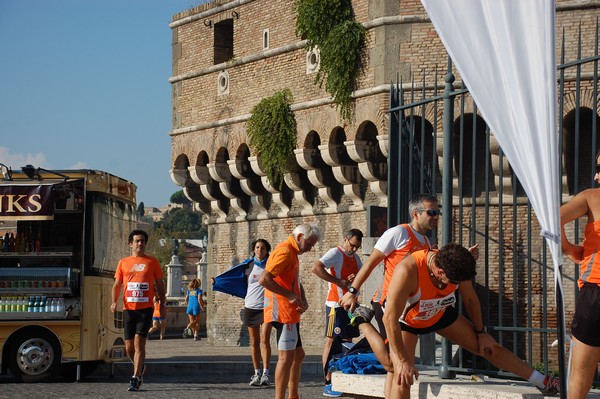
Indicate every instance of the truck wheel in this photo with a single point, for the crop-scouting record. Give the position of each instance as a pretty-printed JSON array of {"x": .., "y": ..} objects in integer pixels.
[{"x": 34, "y": 356}]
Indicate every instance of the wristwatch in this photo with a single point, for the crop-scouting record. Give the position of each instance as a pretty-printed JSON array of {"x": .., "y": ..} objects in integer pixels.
[{"x": 352, "y": 290}]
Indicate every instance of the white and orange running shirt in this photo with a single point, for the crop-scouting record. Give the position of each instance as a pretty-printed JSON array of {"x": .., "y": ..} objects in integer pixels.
[
  {"x": 340, "y": 265},
  {"x": 396, "y": 244},
  {"x": 426, "y": 306},
  {"x": 138, "y": 274}
]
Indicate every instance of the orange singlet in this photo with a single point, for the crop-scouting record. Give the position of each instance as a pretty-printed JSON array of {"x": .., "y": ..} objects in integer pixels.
[
  {"x": 395, "y": 257},
  {"x": 589, "y": 270},
  {"x": 426, "y": 306}
]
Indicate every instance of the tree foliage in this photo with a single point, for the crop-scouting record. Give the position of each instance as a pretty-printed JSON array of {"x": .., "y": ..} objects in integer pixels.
[
  {"x": 179, "y": 197},
  {"x": 141, "y": 211}
]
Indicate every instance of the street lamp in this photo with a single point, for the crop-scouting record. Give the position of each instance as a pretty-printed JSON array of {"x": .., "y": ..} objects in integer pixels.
[{"x": 34, "y": 173}]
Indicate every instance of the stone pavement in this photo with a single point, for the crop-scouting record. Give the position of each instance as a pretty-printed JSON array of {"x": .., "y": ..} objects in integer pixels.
[{"x": 183, "y": 368}]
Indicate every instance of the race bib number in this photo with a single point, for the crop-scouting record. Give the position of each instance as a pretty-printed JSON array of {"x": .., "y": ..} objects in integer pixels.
[
  {"x": 428, "y": 308},
  {"x": 138, "y": 292}
]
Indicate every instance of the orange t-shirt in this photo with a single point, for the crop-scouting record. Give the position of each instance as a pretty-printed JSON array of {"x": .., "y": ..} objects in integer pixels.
[
  {"x": 156, "y": 309},
  {"x": 284, "y": 266},
  {"x": 138, "y": 274},
  {"x": 589, "y": 270},
  {"x": 426, "y": 306},
  {"x": 395, "y": 257}
]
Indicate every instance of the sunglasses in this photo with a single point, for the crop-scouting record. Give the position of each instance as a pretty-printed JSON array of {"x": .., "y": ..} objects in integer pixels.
[{"x": 431, "y": 212}]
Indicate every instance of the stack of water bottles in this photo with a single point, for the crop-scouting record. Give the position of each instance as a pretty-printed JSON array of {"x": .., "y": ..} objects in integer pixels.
[{"x": 32, "y": 304}]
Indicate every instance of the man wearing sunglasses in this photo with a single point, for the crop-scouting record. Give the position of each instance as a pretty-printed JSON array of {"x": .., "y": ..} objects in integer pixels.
[
  {"x": 394, "y": 245},
  {"x": 338, "y": 267},
  {"x": 585, "y": 340}
]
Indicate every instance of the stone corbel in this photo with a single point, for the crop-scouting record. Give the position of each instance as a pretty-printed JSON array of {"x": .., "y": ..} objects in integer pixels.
[
  {"x": 345, "y": 174},
  {"x": 218, "y": 204},
  {"x": 294, "y": 182},
  {"x": 220, "y": 172},
  {"x": 383, "y": 144},
  {"x": 309, "y": 160},
  {"x": 507, "y": 176},
  {"x": 277, "y": 196},
  {"x": 375, "y": 173},
  {"x": 238, "y": 167}
]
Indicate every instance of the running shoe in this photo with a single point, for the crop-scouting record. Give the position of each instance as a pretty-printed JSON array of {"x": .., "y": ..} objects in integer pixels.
[
  {"x": 361, "y": 314},
  {"x": 330, "y": 393},
  {"x": 255, "y": 380},
  {"x": 141, "y": 379},
  {"x": 134, "y": 384},
  {"x": 552, "y": 386},
  {"x": 264, "y": 380}
]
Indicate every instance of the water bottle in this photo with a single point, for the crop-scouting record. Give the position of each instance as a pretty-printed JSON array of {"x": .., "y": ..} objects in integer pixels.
[
  {"x": 2, "y": 304},
  {"x": 30, "y": 305},
  {"x": 61, "y": 305},
  {"x": 36, "y": 304},
  {"x": 13, "y": 304},
  {"x": 53, "y": 305},
  {"x": 47, "y": 305}
]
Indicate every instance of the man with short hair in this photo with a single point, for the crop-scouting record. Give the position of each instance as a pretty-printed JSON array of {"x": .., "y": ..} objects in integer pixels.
[
  {"x": 285, "y": 301},
  {"x": 393, "y": 246},
  {"x": 139, "y": 273},
  {"x": 338, "y": 267}
]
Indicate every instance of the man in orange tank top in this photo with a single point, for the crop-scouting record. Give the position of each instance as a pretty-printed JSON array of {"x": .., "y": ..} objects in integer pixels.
[
  {"x": 421, "y": 300},
  {"x": 338, "y": 267},
  {"x": 285, "y": 301},
  {"x": 138, "y": 274},
  {"x": 585, "y": 327}
]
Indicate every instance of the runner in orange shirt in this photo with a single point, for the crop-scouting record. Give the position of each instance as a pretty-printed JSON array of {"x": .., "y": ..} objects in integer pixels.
[
  {"x": 138, "y": 274},
  {"x": 421, "y": 300},
  {"x": 585, "y": 340},
  {"x": 338, "y": 267},
  {"x": 285, "y": 302}
]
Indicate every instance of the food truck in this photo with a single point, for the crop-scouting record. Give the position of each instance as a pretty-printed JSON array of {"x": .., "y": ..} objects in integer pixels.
[{"x": 62, "y": 234}]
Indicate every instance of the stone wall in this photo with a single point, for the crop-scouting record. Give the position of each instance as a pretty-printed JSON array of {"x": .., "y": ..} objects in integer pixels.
[{"x": 339, "y": 167}]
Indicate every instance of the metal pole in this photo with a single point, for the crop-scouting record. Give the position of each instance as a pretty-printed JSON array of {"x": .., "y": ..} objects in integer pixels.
[{"x": 448, "y": 121}]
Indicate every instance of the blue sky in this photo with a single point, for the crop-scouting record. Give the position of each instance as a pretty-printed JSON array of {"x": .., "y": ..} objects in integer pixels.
[{"x": 84, "y": 84}]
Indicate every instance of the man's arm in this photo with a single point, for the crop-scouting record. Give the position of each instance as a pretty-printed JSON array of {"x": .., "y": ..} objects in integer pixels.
[
  {"x": 267, "y": 280},
  {"x": 319, "y": 270},
  {"x": 116, "y": 291},
  {"x": 349, "y": 300},
  {"x": 570, "y": 211}
]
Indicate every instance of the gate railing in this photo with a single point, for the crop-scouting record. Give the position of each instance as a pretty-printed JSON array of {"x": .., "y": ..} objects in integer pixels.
[{"x": 489, "y": 207}]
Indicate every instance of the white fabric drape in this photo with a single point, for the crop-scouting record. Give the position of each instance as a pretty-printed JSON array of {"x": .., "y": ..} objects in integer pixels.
[{"x": 505, "y": 53}]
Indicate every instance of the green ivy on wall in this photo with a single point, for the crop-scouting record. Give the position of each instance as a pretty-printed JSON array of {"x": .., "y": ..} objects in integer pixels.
[
  {"x": 330, "y": 26},
  {"x": 272, "y": 133}
]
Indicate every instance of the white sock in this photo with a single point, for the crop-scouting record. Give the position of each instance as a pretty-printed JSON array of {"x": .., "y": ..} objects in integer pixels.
[
  {"x": 537, "y": 379},
  {"x": 266, "y": 372},
  {"x": 256, "y": 371}
]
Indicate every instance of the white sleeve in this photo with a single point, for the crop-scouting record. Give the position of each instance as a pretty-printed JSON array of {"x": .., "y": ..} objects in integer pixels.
[
  {"x": 333, "y": 258},
  {"x": 392, "y": 239}
]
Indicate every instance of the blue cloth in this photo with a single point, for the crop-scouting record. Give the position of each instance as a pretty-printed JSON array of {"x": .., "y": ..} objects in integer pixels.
[
  {"x": 193, "y": 307},
  {"x": 234, "y": 281},
  {"x": 361, "y": 363}
]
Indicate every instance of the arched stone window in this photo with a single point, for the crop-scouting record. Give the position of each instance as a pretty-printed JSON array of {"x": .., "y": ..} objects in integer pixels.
[{"x": 579, "y": 153}]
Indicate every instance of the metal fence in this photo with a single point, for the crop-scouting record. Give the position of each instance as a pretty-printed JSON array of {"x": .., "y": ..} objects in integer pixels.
[{"x": 488, "y": 205}]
